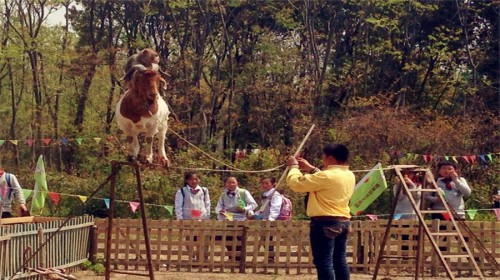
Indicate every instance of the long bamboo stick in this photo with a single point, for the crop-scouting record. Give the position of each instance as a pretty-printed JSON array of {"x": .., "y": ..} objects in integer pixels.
[{"x": 264, "y": 205}]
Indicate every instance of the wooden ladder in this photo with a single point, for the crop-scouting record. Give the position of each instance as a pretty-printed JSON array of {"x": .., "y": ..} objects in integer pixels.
[{"x": 423, "y": 227}]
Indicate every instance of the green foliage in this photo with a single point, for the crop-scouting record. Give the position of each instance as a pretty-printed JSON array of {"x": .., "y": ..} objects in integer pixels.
[{"x": 98, "y": 267}]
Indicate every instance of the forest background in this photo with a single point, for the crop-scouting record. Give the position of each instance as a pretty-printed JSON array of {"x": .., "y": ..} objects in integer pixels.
[{"x": 394, "y": 80}]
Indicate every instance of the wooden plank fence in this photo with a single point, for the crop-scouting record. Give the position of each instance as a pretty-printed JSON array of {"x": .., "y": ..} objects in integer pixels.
[
  {"x": 67, "y": 249},
  {"x": 222, "y": 246}
]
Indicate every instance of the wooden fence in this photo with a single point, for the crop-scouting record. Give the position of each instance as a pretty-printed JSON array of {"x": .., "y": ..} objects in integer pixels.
[
  {"x": 216, "y": 246},
  {"x": 68, "y": 248}
]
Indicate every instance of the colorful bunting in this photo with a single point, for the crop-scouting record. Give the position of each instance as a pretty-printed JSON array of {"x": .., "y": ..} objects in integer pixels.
[
  {"x": 27, "y": 193},
  {"x": 472, "y": 213},
  {"x": 397, "y": 216},
  {"x": 229, "y": 216},
  {"x": 446, "y": 216},
  {"x": 466, "y": 158},
  {"x": 497, "y": 212},
  {"x": 134, "y": 205},
  {"x": 79, "y": 140},
  {"x": 110, "y": 138},
  {"x": 169, "y": 208},
  {"x": 490, "y": 157},
  {"x": 64, "y": 141},
  {"x": 29, "y": 142},
  {"x": 106, "y": 201},
  {"x": 454, "y": 158},
  {"x": 40, "y": 189},
  {"x": 14, "y": 142},
  {"x": 82, "y": 198},
  {"x": 46, "y": 141},
  {"x": 55, "y": 197},
  {"x": 372, "y": 217},
  {"x": 195, "y": 213},
  {"x": 483, "y": 158},
  {"x": 97, "y": 140}
]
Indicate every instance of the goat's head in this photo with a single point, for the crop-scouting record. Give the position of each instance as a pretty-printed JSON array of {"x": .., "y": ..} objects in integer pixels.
[{"x": 145, "y": 82}]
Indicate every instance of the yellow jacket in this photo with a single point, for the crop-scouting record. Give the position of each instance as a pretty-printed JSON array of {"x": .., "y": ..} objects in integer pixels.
[{"x": 329, "y": 190}]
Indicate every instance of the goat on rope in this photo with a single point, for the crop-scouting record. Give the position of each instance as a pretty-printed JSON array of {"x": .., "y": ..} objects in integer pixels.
[{"x": 141, "y": 109}]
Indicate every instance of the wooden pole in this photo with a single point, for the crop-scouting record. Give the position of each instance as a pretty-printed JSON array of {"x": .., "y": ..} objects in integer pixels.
[{"x": 283, "y": 176}]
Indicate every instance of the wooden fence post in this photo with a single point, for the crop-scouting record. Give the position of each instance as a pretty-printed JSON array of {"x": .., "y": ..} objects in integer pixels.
[
  {"x": 243, "y": 253},
  {"x": 41, "y": 240},
  {"x": 92, "y": 250}
]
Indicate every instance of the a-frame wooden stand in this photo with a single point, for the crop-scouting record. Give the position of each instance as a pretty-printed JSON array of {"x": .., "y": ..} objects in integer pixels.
[
  {"x": 116, "y": 166},
  {"x": 423, "y": 228}
]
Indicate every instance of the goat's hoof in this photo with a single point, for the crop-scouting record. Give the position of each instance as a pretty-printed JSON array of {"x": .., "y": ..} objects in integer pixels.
[
  {"x": 163, "y": 161},
  {"x": 131, "y": 158}
]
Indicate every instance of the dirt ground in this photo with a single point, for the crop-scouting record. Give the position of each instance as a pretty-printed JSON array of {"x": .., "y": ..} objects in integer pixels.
[{"x": 84, "y": 275}]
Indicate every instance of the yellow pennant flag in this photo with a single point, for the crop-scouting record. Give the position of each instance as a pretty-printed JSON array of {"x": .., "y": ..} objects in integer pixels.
[
  {"x": 82, "y": 198},
  {"x": 14, "y": 142},
  {"x": 97, "y": 140},
  {"x": 229, "y": 216}
]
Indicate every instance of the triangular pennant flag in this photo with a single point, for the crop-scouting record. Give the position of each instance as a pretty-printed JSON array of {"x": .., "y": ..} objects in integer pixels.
[
  {"x": 134, "y": 205},
  {"x": 472, "y": 159},
  {"x": 483, "y": 158},
  {"x": 79, "y": 140},
  {"x": 409, "y": 156},
  {"x": 1, "y": 142},
  {"x": 14, "y": 142},
  {"x": 64, "y": 141},
  {"x": 490, "y": 157},
  {"x": 82, "y": 198},
  {"x": 497, "y": 212},
  {"x": 431, "y": 157},
  {"x": 46, "y": 141},
  {"x": 415, "y": 156},
  {"x": 426, "y": 158},
  {"x": 29, "y": 142},
  {"x": 40, "y": 191},
  {"x": 454, "y": 158},
  {"x": 27, "y": 193},
  {"x": 446, "y": 157},
  {"x": 195, "y": 213},
  {"x": 169, "y": 208},
  {"x": 446, "y": 216},
  {"x": 372, "y": 217},
  {"x": 110, "y": 138},
  {"x": 472, "y": 213},
  {"x": 55, "y": 197},
  {"x": 397, "y": 216},
  {"x": 106, "y": 201},
  {"x": 466, "y": 158},
  {"x": 97, "y": 140},
  {"x": 229, "y": 216}
]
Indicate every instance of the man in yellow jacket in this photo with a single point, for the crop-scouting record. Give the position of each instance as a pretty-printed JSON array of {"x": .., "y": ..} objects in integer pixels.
[{"x": 329, "y": 193}]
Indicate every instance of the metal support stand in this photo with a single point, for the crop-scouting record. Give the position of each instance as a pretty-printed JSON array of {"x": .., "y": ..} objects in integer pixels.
[{"x": 116, "y": 166}]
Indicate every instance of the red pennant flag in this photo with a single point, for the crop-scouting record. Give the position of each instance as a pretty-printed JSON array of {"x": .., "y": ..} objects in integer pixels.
[
  {"x": 134, "y": 205},
  {"x": 29, "y": 142},
  {"x": 466, "y": 158},
  {"x": 110, "y": 138},
  {"x": 426, "y": 158},
  {"x": 46, "y": 141},
  {"x": 431, "y": 157},
  {"x": 195, "y": 213},
  {"x": 446, "y": 216},
  {"x": 55, "y": 197},
  {"x": 472, "y": 159}
]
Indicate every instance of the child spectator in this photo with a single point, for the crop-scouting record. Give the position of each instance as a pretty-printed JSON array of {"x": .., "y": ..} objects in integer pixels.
[
  {"x": 192, "y": 201},
  {"x": 274, "y": 200},
  {"x": 235, "y": 202},
  {"x": 404, "y": 210},
  {"x": 454, "y": 188}
]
